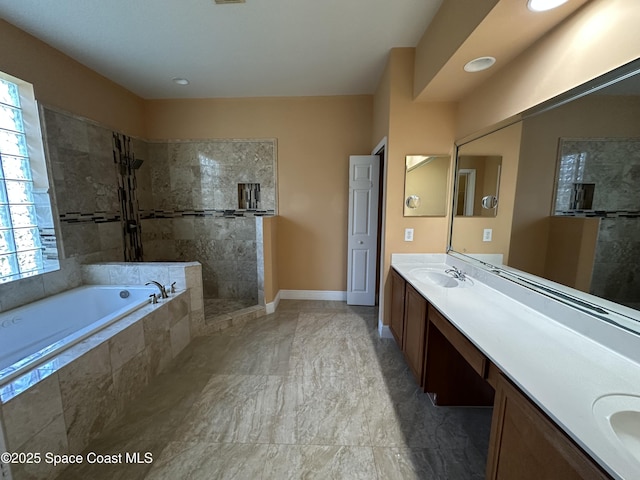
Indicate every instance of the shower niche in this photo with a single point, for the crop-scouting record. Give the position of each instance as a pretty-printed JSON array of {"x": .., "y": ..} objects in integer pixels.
[{"x": 248, "y": 196}]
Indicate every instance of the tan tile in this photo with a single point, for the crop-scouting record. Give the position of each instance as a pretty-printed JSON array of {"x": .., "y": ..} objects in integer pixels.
[
  {"x": 205, "y": 461},
  {"x": 28, "y": 413},
  {"x": 126, "y": 345},
  {"x": 319, "y": 462}
]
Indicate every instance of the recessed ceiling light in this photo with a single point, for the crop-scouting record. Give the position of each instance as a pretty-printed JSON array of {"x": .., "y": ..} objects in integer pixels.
[
  {"x": 180, "y": 81},
  {"x": 479, "y": 64},
  {"x": 542, "y": 5}
]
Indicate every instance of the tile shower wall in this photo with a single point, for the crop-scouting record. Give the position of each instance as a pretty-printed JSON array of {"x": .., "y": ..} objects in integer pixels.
[
  {"x": 193, "y": 189},
  {"x": 613, "y": 165},
  {"x": 616, "y": 270},
  {"x": 85, "y": 186},
  {"x": 187, "y": 193}
]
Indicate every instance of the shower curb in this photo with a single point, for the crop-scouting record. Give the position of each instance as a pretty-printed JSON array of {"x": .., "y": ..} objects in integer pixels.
[{"x": 238, "y": 318}]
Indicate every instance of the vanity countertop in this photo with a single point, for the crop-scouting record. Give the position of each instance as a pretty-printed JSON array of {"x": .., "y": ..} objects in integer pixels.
[{"x": 560, "y": 369}]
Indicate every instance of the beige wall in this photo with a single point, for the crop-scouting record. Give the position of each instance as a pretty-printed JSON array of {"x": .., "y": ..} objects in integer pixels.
[
  {"x": 62, "y": 82},
  {"x": 315, "y": 137},
  {"x": 414, "y": 128},
  {"x": 468, "y": 231},
  {"x": 570, "y": 261},
  {"x": 601, "y": 36}
]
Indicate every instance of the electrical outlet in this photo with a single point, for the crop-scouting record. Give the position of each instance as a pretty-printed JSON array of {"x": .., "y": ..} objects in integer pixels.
[
  {"x": 486, "y": 235},
  {"x": 408, "y": 234}
]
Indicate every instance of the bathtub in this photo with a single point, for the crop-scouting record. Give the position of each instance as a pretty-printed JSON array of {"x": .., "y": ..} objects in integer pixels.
[{"x": 32, "y": 334}]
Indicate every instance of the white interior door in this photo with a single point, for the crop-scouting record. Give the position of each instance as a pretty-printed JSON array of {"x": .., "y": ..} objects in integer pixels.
[{"x": 364, "y": 175}]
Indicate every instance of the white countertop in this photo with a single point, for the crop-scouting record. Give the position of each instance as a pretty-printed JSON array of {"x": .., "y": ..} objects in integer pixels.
[{"x": 560, "y": 369}]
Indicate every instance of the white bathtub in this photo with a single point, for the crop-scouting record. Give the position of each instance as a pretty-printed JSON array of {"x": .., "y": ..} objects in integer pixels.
[{"x": 31, "y": 334}]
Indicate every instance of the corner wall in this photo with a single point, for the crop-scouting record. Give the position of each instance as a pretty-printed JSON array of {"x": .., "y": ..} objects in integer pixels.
[{"x": 413, "y": 128}]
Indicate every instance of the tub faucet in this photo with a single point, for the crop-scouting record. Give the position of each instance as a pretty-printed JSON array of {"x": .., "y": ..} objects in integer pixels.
[
  {"x": 456, "y": 273},
  {"x": 163, "y": 291}
]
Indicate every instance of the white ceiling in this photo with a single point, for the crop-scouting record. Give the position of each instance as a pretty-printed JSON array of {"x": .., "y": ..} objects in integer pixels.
[{"x": 260, "y": 48}]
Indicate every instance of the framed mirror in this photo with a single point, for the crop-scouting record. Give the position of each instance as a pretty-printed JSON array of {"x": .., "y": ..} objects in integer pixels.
[
  {"x": 426, "y": 181},
  {"x": 569, "y": 213}
]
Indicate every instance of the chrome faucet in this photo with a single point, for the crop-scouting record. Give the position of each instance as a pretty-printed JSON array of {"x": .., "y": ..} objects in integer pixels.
[
  {"x": 456, "y": 273},
  {"x": 163, "y": 291}
]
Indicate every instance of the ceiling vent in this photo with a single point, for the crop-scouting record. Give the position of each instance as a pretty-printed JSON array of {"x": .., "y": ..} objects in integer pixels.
[{"x": 222, "y": 2}]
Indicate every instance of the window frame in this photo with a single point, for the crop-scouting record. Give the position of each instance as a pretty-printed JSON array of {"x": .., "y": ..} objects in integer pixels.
[{"x": 46, "y": 217}]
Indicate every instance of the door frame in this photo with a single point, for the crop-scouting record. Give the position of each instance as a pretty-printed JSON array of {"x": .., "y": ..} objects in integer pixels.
[{"x": 381, "y": 150}]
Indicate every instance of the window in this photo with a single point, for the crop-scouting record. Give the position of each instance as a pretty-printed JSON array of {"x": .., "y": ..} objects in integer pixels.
[{"x": 24, "y": 186}]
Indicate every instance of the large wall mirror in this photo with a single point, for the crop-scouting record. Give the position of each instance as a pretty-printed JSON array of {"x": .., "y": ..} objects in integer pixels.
[
  {"x": 569, "y": 199},
  {"x": 426, "y": 180}
]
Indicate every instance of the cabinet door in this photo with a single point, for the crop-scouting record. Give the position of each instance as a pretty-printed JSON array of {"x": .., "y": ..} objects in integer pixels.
[
  {"x": 415, "y": 328},
  {"x": 526, "y": 445},
  {"x": 397, "y": 307}
]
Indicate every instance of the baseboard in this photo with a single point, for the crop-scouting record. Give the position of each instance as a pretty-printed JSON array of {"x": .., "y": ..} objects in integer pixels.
[
  {"x": 384, "y": 331},
  {"x": 271, "y": 307},
  {"x": 330, "y": 295}
]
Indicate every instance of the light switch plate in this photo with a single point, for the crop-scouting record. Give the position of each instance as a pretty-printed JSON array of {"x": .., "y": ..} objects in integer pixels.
[
  {"x": 408, "y": 234},
  {"x": 486, "y": 235}
]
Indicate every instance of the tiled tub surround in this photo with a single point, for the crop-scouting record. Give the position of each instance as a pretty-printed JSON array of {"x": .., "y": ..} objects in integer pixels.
[
  {"x": 560, "y": 357},
  {"x": 33, "y": 333},
  {"x": 64, "y": 403},
  {"x": 186, "y": 275}
]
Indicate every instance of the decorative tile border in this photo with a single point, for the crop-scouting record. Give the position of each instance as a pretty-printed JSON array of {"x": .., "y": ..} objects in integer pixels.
[
  {"x": 104, "y": 217},
  {"x": 600, "y": 213},
  {"x": 146, "y": 214},
  {"x": 95, "y": 217}
]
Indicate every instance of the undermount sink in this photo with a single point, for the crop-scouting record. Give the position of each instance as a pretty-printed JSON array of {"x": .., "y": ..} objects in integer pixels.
[
  {"x": 435, "y": 277},
  {"x": 618, "y": 416}
]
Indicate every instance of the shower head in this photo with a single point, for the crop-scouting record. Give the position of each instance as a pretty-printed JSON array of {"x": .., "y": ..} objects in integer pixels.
[{"x": 136, "y": 163}]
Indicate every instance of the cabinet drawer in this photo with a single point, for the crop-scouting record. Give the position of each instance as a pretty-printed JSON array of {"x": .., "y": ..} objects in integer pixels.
[{"x": 469, "y": 352}]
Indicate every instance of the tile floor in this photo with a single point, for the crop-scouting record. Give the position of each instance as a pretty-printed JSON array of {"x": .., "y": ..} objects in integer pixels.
[{"x": 308, "y": 392}]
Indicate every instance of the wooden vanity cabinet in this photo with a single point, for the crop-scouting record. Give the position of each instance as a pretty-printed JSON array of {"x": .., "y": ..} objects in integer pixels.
[
  {"x": 398, "y": 285},
  {"x": 526, "y": 445},
  {"x": 415, "y": 330}
]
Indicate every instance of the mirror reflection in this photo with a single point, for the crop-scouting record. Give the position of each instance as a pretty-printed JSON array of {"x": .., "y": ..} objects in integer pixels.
[
  {"x": 425, "y": 185},
  {"x": 569, "y": 195},
  {"x": 477, "y": 185}
]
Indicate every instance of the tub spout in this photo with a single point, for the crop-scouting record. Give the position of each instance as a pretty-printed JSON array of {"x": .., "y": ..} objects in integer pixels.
[{"x": 163, "y": 291}]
